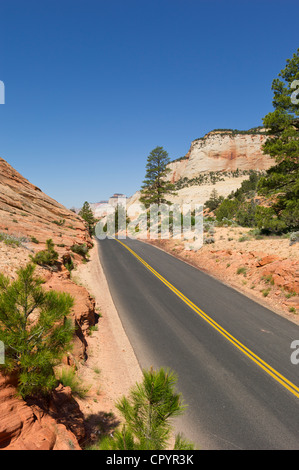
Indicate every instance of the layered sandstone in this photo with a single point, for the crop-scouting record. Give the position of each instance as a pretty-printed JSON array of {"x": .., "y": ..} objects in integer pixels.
[
  {"x": 222, "y": 151},
  {"x": 24, "y": 427},
  {"x": 229, "y": 154},
  {"x": 26, "y": 211}
]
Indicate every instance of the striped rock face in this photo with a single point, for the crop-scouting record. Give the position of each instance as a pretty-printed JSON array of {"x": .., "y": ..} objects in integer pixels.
[{"x": 221, "y": 151}]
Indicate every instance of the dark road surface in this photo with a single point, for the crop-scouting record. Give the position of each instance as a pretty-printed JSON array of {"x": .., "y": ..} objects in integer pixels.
[{"x": 232, "y": 355}]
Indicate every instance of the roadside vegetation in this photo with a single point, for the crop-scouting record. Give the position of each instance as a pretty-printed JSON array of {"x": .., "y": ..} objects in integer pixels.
[
  {"x": 147, "y": 415},
  {"x": 88, "y": 217}
]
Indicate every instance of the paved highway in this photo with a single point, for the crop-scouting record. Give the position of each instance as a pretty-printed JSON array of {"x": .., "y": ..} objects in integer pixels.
[{"x": 232, "y": 355}]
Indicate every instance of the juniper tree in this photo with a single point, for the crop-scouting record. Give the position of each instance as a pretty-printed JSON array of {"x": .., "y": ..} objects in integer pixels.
[
  {"x": 155, "y": 187},
  {"x": 34, "y": 329}
]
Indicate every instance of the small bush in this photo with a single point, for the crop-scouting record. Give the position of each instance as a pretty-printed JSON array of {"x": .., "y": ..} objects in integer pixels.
[
  {"x": 80, "y": 249},
  {"x": 46, "y": 257},
  {"x": 244, "y": 238},
  {"x": 265, "y": 292},
  {"x": 12, "y": 240},
  {"x": 242, "y": 270},
  {"x": 68, "y": 378},
  {"x": 209, "y": 240},
  {"x": 59, "y": 222}
]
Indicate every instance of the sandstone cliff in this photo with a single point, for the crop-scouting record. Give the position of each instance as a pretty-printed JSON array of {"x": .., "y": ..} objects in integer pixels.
[
  {"x": 230, "y": 153},
  {"x": 26, "y": 211},
  {"x": 222, "y": 151}
]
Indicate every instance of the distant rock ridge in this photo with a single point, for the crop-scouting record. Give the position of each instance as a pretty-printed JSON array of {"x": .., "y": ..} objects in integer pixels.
[{"x": 222, "y": 150}]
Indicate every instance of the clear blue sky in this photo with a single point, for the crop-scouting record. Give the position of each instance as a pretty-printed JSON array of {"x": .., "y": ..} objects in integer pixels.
[{"x": 92, "y": 86}]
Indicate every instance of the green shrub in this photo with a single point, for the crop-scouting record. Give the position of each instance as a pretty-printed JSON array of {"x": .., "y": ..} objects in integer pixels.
[
  {"x": 267, "y": 220},
  {"x": 227, "y": 209},
  {"x": 12, "y": 240},
  {"x": 59, "y": 222},
  {"x": 68, "y": 378},
  {"x": 68, "y": 262},
  {"x": 242, "y": 270},
  {"x": 46, "y": 257},
  {"x": 209, "y": 240},
  {"x": 266, "y": 292},
  {"x": 80, "y": 249},
  {"x": 245, "y": 215}
]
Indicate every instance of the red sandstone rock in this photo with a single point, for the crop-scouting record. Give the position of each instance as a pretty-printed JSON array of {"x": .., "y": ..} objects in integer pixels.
[
  {"x": 29, "y": 428},
  {"x": 267, "y": 260}
]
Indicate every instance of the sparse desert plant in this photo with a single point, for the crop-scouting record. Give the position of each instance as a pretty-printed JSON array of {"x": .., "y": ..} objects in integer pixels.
[
  {"x": 242, "y": 270},
  {"x": 244, "y": 238},
  {"x": 80, "y": 249},
  {"x": 265, "y": 292},
  {"x": 12, "y": 240},
  {"x": 268, "y": 279},
  {"x": 68, "y": 378},
  {"x": 209, "y": 240},
  {"x": 59, "y": 222}
]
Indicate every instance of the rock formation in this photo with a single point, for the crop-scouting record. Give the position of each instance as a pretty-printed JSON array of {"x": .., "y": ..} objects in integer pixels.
[
  {"x": 26, "y": 211},
  {"x": 24, "y": 427},
  {"x": 222, "y": 151}
]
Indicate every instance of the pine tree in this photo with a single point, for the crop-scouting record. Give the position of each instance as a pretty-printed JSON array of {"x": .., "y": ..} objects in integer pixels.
[
  {"x": 155, "y": 187},
  {"x": 47, "y": 257},
  {"x": 87, "y": 215},
  {"x": 214, "y": 201},
  {"x": 34, "y": 329},
  {"x": 147, "y": 414},
  {"x": 282, "y": 180}
]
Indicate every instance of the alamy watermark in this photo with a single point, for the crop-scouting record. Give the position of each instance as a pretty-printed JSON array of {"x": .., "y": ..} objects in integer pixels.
[
  {"x": 2, "y": 92},
  {"x": 295, "y": 94},
  {"x": 295, "y": 354},
  {"x": 2, "y": 353},
  {"x": 164, "y": 221}
]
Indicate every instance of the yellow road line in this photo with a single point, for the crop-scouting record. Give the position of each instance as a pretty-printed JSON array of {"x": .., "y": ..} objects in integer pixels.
[{"x": 266, "y": 367}]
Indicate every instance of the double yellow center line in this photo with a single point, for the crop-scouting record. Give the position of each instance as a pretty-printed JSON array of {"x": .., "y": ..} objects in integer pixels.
[{"x": 266, "y": 367}]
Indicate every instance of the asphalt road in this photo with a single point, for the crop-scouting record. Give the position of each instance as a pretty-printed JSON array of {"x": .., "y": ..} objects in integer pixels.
[{"x": 231, "y": 354}]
